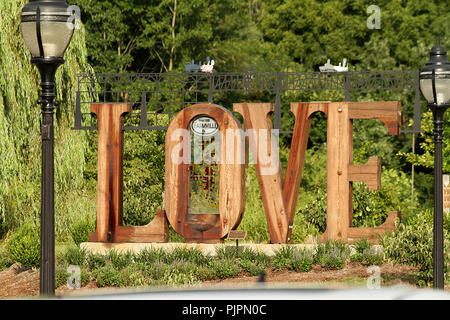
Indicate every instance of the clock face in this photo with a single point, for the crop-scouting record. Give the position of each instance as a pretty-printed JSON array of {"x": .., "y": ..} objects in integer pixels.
[{"x": 204, "y": 126}]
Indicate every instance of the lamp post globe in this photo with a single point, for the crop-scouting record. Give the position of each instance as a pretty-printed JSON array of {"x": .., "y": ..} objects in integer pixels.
[
  {"x": 47, "y": 32},
  {"x": 435, "y": 87}
]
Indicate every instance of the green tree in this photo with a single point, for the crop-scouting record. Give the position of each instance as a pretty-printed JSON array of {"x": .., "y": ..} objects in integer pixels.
[{"x": 20, "y": 118}]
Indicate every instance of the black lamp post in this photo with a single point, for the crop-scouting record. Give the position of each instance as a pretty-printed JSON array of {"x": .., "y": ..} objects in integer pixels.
[
  {"x": 435, "y": 86},
  {"x": 47, "y": 32}
]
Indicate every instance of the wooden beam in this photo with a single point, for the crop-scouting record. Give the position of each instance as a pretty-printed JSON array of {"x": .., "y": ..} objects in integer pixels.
[
  {"x": 369, "y": 173},
  {"x": 258, "y": 124},
  {"x": 109, "y": 168}
]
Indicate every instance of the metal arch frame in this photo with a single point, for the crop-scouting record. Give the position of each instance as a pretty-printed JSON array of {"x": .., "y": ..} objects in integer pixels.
[{"x": 157, "y": 89}]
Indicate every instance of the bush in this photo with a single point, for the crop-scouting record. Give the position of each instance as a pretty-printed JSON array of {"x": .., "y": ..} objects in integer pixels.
[
  {"x": 224, "y": 268},
  {"x": 5, "y": 259},
  {"x": 205, "y": 273},
  {"x": 252, "y": 267},
  {"x": 303, "y": 260},
  {"x": 187, "y": 254},
  {"x": 95, "y": 261},
  {"x": 74, "y": 256},
  {"x": 254, "y": 256},
  {"x": 119, "y": 260},
  {"x": 24, "y": 246},
  {"x": 331, "y": 254},
  {"x": 148, "y": 256},
  {"x": 107, "y": 276},
  {"x": 412, "y": 244},
  {"x": 366, "y": 254},
  {"x": 283, "y": 258},
  {"x": 226, "y": 252},
  {"x": 81, "y": 229},
  {"x": 316, "y": 211}
]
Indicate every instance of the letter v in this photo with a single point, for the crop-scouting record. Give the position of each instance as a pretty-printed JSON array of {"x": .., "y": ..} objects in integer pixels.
[{"x": 279, "y": 200}]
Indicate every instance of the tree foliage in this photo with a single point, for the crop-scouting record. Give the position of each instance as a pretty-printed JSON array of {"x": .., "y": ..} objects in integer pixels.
[{"x": 20, "y": 119}]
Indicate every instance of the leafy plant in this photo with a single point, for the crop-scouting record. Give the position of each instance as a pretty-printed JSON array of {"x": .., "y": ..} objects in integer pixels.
[
  {"x": 412, "y": 244},
  {"x": 107, "y": 276},
  {"x": 283, "y": 257},
  {"x": 224, "y": 268},
  {"x": 74, "y": 256},
  {"x": 81, "y": 229},
  {"x": 252, "y": 267},
  {"x": 119, "y": 260},
  {"x": 95, "y": 261},
  {"x": 24, "y": 246},
  {"x": 303, "y": 260},
  {"x": 367, "y": 254},
  {"x": 331, "y": 254}
]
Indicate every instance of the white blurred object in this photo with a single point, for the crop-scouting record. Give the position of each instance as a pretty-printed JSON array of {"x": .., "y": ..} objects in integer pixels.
[
  {"x": 208, "y": 67},
  {"x": 328, "y": 67}
]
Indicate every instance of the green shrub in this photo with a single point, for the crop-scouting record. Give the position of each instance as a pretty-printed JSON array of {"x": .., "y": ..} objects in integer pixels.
[
  {"x": 95, "y": 261},
  {"x": 367, "y": 254},
  {"x": 302, "y": 260},
  {"x": 149, "y": 256},
  {"x": 192, "y": 255},
  {"x": 226, "y": 252},
  {"x": 107, "y": 276},
  {"x": 119, "y": 260},
  {"x": 155, "y": 271},
  {"x": 24, "y": 246},
  {"x": 255, "y": 256},
  {"x": 283, "y": 258},
  {"x": 331, "y": 254},
  {"x": 74, "y": 256},
  {"x": 80, "y": 229},
  {"x": 316, "y": 211},
  {"x": 412, "y": 244},
  {"x": 252, "y": 267},
  {"x": 223, "y": 268},
  {"x": 205, "y": 273},
  {"x": 131, "y": 276},
  {"x": 5, "y": 259}
]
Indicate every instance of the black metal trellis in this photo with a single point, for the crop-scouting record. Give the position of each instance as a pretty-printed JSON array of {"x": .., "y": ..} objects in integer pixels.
[{"x": 159, "y": 96}]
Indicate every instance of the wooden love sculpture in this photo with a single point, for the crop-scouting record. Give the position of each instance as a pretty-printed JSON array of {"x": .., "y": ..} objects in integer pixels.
[{"x": 279, "y": 194}]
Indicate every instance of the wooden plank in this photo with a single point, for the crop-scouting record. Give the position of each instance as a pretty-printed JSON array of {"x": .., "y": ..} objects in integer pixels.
[
  {"x": 369, "y": 173},
  {"x": 339, "y": 146},
  {"x": 389, "y": 112},
  {"x": 373, "y": 234},
  {"x": 294, "y": 171},
  {"x": 258, "y": 124},
  {"x": 109, "y": 168},
  {"x": 156, "y": 231}
]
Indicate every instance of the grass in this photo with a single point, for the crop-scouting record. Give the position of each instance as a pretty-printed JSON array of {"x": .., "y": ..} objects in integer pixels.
[{"x": 188, "y": 266}]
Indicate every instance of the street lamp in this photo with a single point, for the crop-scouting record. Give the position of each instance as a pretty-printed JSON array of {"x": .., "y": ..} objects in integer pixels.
[
  {"x": 47, "y": 32},
  {"x": 435, "y": 87}
]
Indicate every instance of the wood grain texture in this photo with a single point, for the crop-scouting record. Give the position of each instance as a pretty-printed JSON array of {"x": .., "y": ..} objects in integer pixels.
[
  {"x": 258, "y": 124},
  {"x": 369, "y": 173},
  {"x": 299, "y": 143},
  {"x": 339, "y": 151},
  {"x": 155, "y": 231},
  {"x": 374, "y": 234},
  {"x": 110, "y": 183},
  {"x": 204, "y": 227},
  {"x": 389, "y": 112},
  {"x": 109, "y": 169},
  {"x": 341, "y": 171}
]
